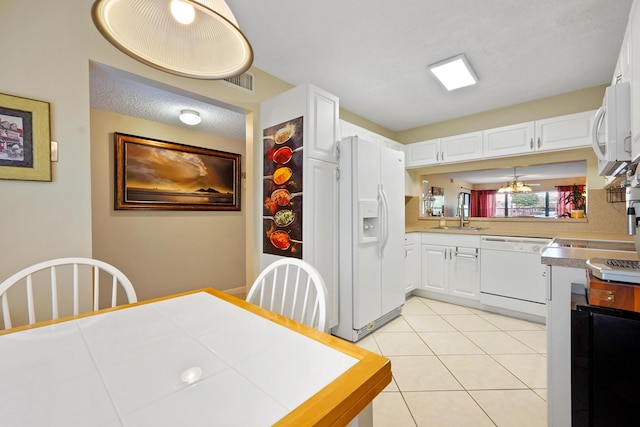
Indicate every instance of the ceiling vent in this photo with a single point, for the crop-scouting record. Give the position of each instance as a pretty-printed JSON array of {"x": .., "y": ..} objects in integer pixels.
[{"x": 244, "y": 80}]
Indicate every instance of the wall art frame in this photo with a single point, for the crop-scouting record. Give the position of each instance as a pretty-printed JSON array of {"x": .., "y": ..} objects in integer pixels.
[
  {"x": 151, "y": 174},
  {"x": 25, "y": 139}
]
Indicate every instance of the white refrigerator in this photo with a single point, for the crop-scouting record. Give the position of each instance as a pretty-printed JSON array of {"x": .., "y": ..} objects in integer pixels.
[{"x": 371, "y": 266}]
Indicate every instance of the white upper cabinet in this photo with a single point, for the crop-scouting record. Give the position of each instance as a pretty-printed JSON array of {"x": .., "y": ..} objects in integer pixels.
[
  {"x": 349, "y": 129},
  {"x": 323, "y": 128},
  {"x": 508, "y": 140},
  {"x": 554, "y": 134},
  {"x": 422, "y": 153},
  {"x": 622, "y": 71},
  {"x": 460, "y": 148},
  {"x": 564, "y": 132}
]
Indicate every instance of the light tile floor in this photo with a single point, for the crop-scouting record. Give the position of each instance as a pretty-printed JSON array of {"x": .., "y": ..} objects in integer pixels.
[{"x": 455, "y": 366}]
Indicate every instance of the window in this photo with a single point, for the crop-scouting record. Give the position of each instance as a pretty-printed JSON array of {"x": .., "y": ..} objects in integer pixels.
[{"x": 541, "y": 204}]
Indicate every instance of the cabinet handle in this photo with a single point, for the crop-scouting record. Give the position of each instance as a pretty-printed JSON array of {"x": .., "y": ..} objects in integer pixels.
[
  {"x": 458, "y": 254},
  {"x": 539, "y": 142},
  {"x": 531, "y": 143},
  {"x": 437, "y": 156}
]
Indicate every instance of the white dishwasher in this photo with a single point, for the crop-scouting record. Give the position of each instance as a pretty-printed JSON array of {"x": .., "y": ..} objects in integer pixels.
[{"x": 512, "y": 275}]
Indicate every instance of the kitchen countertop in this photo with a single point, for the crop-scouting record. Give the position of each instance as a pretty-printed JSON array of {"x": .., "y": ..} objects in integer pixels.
[
  {"x": 575, "y": 257},
  {"x": 515, "y": 232}
]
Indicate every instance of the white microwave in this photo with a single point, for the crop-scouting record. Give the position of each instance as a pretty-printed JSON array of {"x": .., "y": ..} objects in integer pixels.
[{"x": 611, "y": 131}]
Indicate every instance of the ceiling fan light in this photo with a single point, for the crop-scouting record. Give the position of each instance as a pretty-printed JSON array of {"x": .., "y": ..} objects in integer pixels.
[{"x": 190, "y": 117}]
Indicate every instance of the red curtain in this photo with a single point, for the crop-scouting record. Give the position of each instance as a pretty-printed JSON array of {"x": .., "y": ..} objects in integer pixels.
[
  {"x": 483, "y": 203},
  {"x": 563, "y": 191}
]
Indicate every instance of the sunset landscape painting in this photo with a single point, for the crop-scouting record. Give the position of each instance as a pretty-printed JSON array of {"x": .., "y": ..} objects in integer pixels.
[{"x": 152, "y": 174}]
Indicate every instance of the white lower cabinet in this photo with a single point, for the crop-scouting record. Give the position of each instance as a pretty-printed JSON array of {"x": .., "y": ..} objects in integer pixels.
[
  {"x": 451, "y": 264},
  {"x": 412, "y": 270}
]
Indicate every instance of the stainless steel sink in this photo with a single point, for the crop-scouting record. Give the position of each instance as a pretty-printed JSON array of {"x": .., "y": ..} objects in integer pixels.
[{"x": 456, "y": 227}]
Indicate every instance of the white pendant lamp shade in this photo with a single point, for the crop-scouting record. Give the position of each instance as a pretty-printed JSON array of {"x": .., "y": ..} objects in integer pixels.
[{"x": 207, "y": 45}]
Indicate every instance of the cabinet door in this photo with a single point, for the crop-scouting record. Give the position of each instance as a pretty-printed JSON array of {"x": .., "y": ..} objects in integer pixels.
[
  {"x": 464, "y": 273},
  {"x": 564, "y": 132},
  {"x": 423, "y": 153},
  {"x": 508, "y": 140},
  {"x": 320, "y": 227},
  {"x": 460, "y": 148},
  {"x": 410, "y": 263},
  {"x": 435, "y": 268},
  {"x": 323, "y": 125}
]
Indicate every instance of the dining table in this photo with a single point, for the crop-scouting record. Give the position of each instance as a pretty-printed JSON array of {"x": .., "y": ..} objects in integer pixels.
[{"x": 199, "y": 358}]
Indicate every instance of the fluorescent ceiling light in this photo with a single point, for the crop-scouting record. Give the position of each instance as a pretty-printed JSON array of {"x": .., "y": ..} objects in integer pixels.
[
  {"x": 454, "y": 72},
  {"x": 190, "y": 117}
]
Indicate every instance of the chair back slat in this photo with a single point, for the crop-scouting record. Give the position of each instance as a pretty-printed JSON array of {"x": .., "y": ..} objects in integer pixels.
[
  {"x": 30, "y": 305},
  {"x": 293, "y": 289},
  {"x": 285, "y": 288},
  {"x": 114, "y": 292},
  {"x": 54, "y": 293},
  {"x": 6, "y": 316},
  {"x": 81, "y": 277},
  {"x": 96, "y": 287},
  {"x": 296, "y": 290}
]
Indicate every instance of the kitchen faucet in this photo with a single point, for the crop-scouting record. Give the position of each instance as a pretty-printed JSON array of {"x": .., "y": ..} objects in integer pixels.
[{"x": 463, "y": 221}]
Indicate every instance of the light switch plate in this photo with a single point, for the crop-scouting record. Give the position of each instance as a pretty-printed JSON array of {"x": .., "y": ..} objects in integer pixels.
[{"x": 54, "y": 151}]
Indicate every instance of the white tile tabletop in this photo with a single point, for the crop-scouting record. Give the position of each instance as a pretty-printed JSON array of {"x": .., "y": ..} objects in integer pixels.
[{"x": 194, "y": 360}]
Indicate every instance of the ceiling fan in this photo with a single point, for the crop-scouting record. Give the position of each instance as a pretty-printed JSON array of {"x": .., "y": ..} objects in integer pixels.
[{"x": 516, "y": 186}]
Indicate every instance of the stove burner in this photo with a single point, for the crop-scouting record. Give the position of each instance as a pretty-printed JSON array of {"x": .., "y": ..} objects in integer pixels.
[{"x": 624, "y": 263}]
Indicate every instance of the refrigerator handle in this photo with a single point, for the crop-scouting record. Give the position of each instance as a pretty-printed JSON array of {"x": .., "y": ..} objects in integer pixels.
[{"x": 384, "y": 219}]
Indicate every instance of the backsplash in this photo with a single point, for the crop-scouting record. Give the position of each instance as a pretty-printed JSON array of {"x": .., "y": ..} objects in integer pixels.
[{"x": 602, "y": 217}]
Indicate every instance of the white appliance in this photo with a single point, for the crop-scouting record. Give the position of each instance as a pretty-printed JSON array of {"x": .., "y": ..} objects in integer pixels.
[
  {"x": 371, "y": 237},
  {"x": 611, "y": 132},
  {"x": 512, "y": 274}
]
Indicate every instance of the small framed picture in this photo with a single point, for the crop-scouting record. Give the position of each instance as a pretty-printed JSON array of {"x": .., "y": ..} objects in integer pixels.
[
  {"x": 25, "y": 139},
  {"x": 160, "y": 175}
]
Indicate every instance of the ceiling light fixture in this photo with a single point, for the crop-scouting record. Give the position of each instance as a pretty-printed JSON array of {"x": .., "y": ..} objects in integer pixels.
[
  {"x": 454, "y": 73},
  {"x": 189, "y": 38},
  {"x": 515, "y": 186},
  {"x": 190, "y": 117}
]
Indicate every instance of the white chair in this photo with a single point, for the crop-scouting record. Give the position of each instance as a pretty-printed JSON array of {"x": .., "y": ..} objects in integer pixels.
[
  {"x": 61, "y": 273},
  {"x": 294, "y": 289}
]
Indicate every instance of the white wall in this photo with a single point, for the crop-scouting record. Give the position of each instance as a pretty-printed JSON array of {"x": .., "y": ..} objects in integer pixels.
[
  {"x": 163, "y": 252},
  {"x": 46, "y": 49},
  {"x": 42, "y": 59}
]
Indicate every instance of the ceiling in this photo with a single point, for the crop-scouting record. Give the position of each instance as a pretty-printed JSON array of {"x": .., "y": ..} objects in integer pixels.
[
  {"x": 131, "y": 95},
  {"x": 374, "y": 54}
]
